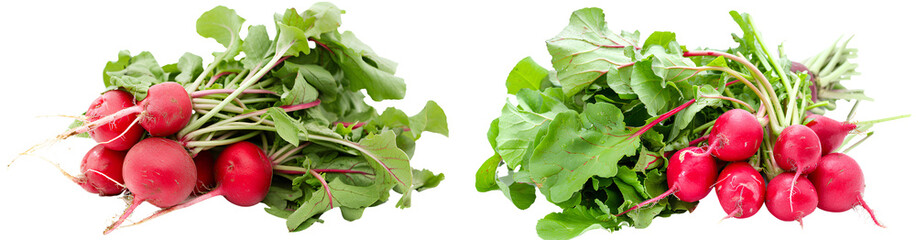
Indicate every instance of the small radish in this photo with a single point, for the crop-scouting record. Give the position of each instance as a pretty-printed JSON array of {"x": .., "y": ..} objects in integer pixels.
[
  {"x": 205, "y": 180},
  {"x": 158, "y": 171},
  {"x": 243, "y": 175},
  {"x": 740, "y": 189},
  {"x": 830, "y": 132},
  {"x": 787, "y": 206},
  {"x": 101, "y": 171},
  {"x": 736, "y": 136},
  {"x": 166, "y": 109},
  {"x": 839, "y": 182},
  {"x": 120, "y": 134},
  {"x": 797, "y": 149},
  {"x": 691, "y": 175}
]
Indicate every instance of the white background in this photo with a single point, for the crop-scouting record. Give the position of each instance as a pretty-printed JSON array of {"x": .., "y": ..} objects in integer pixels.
[{"x": 457, "y": 53}]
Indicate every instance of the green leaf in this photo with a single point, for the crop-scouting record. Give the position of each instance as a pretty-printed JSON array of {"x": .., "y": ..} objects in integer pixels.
[
  {"x": 321, "y": 79},
  {"x": 256, "y": 46},
  {"x": 519, "y": 125},
  {"x": 586, "y": 50},
  {"x": 684, "y": 117},
  {"x": 651, "y": 89},
  {"x": 422, "y": 180},
  {"x": 141, "y": 72},
  {"x": 577, "y": 147},
  {"x": 526, "y": 74},
  {"x": 291, "y": 41},
  {"x": 223, "y": 25},
  {"x": 362, "y": 67},
  {"x": 288, "y": 128},
  {"x": 385, "y": 156},
  {"x": 302, "y": 92},
  {"x": 319, "y": 202},
  {"x": 486, "y": 174},
  {"x": 493, "y": 132},
  {"x": 190, "y": 66},
  {"x": 522, "y": 195},
  {"x": 114, "y": 66},
  {"x": 568, "y": 224},
  {"x": 430, "y": 119},
  {"x": 324, "y": 17}
]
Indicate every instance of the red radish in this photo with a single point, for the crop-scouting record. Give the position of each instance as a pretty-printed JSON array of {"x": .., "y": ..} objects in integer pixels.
[
  {"x": 787, "y": 206},
  {"x": 243, "y": 175},
  {"x": 691, "y": 175},
  {"x": 101, "y": 168},
  {"x": 839, "y": 182},
  {"x": 740, "y": 189},
  {"x": 166, "y": 109},
  {"x": 205, "y": 180},
  {"x": 797, "y": 149},
  {"x": 830, "y": 132},
  {"x": 736, "y": 136},
  {"x": 158, "y": 171},
  {"x": 120, "y": 134}
]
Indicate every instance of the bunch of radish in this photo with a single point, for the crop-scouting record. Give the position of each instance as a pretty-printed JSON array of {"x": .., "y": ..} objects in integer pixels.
[
  {"x": 244, "y": 128},
  {"x": 785, "y": 156}
]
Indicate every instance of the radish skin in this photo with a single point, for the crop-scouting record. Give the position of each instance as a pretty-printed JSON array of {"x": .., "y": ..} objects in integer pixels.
[
  {"x": 840, "y": 183},
  {"x": 120, "y": 134},
  {"x": 158, "y": 171},
  {"x": 786, "y": 206},
  {"x": 101, "y": 171},
  {"x": 691, "y": 175},
  {"x": 736, "y": 136},
  {"x": 831, "y": 133},
  {"x": 740, "y": 190}
]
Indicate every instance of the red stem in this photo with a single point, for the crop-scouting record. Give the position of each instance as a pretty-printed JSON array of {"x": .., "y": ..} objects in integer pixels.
[
  {"x": 217, "y": 76},
  {"x": 321, "y": 44},
  {"x": 215, "y": 192},
  {"x": 661, "y": 118},
  {"x": 870, "y": 212},
  {"x": 130, "y": 209},
  {"x": 327, "y": 189},
  {"x": 698, "y": 140},
  {"x": 653, "y": 200},
  {"x": 202, "y": 93}
]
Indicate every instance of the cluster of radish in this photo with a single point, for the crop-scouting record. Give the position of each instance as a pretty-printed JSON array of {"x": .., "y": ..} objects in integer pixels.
[
  {"x": 815, "y": 177},
  {"x": 157, "y": 169}
]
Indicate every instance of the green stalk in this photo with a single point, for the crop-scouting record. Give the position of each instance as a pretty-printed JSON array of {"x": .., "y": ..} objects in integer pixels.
[
  {"x": 245, "y": 84},
  {"x": 216, "y": 143},
  {"x": 882, "y": 120}
]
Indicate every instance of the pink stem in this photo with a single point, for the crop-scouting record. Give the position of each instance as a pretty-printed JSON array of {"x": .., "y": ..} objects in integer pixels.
[
  {"x": 870, "y": 212},
  {"x": 130, "y": 209},
  {"x": 216, "y": 192},
  {"x": 626, "y": 65},
  {"x": 327, "y": 189},
  {"x": 321, "y": 44},
  {"x": 732, "y": 82},
  {"x": 698, "y": 140},
  {"x": 653, "y": 200},
  {"x": 202, "y": 93},
  {"x": 217, "y": 76},
  {"x": 348, "y": 124},
  {"x": 339, "y": 171},
  {"x": 661, "y": 118}
]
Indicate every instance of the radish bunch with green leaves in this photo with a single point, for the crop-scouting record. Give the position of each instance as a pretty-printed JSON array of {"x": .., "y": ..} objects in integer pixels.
[
  {"x": 277, "y": 118},
  {"x": 620, "y": 133}
]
